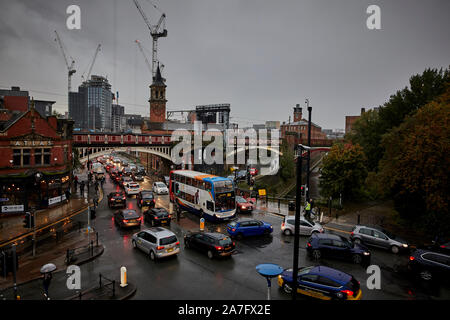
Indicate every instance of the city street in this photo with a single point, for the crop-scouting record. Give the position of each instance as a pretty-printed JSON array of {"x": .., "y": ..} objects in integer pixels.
[{"x": 192, "y": 275}]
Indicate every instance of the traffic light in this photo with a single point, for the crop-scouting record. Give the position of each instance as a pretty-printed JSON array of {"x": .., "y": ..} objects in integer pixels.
[
  {"x": 302, "y": 190},
  {"x": 32, "y": 221},
  {"x": 27, "y": 220}
]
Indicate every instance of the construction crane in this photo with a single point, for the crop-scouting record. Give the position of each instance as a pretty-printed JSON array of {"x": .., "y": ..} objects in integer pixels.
[
  {"x": 70, "y": 68},
  {"x": 92, "y": 64},
  {"x": 154, "y": 32}
]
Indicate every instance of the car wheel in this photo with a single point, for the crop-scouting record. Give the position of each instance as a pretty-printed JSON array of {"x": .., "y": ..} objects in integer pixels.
[
  {"x": 287, "y": 232},
  {"x": 316, "y": 254},
  {"x": 134, "y": 244},
  {"x": 287, "y": 288},
  {"x": 266, "y": 232},
  {"x": 394, "y": 249},
  {"x": 357, "y": 259},
  {"x": 210, "y": 254},
  {"x": 425, "y": 275},
  {"x": 357, "y": 241},
  {"x": 152, "y": 255},
  {"x": 187, "y": 245}
]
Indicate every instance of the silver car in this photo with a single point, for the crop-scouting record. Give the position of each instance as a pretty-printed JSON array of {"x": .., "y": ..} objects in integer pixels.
[
  {"x": 307, "y": 228},
  {"x": 157, "y": 242},
  {"x": 371, "y": 236}
]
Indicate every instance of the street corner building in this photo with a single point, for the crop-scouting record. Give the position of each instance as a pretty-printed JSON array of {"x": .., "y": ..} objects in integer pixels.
[{"x": 35, "y": 160}]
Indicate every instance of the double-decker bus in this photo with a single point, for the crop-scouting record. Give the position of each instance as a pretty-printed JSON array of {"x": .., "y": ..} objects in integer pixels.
[{"x": 207, "y": 195}]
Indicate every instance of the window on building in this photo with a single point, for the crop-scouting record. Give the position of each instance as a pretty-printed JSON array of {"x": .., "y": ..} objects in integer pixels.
[
  {"x": 17, "y": 157},
  {"x": 47, "y": 154},
  {"x": 26, "y": 157},
  {"x": 38, "y": 156}
]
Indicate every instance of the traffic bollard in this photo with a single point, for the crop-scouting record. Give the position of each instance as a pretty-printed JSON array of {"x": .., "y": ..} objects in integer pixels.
[
  {"x": 202, "y": 224},
  {"x": 123, "y": 277}
]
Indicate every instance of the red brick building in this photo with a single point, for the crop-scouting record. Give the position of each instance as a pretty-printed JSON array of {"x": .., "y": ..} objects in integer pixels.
[
  {"x": 297, "y": 132},
  {"x": 35, "y": 160},
  {"x": 350, "y": 120}
]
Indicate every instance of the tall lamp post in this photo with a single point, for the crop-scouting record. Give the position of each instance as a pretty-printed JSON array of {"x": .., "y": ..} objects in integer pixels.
[
  {"x": 298, "y": 195},
  {"x": 309, "y": 152}
]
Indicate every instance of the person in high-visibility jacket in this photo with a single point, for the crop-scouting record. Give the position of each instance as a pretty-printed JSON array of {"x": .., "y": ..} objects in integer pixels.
[{"x": 308, "y": 210}]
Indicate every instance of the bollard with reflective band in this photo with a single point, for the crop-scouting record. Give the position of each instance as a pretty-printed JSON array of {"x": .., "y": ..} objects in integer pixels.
[
  {"x": 123, "y": 277},
  {"x": 202, "y": 224}
]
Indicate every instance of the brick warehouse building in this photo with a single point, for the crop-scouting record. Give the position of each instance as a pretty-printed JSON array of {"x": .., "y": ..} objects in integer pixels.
[
  {"x": 297, "y": 132},
  {"x": 35, "y": 160}
]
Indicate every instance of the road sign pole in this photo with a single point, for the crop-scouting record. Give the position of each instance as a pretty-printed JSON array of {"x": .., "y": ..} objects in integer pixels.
[
  {"x": 14, "y": 270},
  {"x": 297, "y": 223}
]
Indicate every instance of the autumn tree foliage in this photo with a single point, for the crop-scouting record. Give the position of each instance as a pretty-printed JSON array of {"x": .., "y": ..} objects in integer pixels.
[
  {"x": 416, "y": 164},
  {"x": 369, "y": 129},
  {"x": 343, "y": 171}
]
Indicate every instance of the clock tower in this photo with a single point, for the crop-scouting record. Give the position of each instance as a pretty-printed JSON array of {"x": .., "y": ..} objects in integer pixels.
[{"x": 158, "y": 98}]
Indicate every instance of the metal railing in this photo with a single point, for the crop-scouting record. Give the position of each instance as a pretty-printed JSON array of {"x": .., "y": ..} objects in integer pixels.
[
  {"x": 71, "y": 253},
  {"x": 110, "y": 284}
]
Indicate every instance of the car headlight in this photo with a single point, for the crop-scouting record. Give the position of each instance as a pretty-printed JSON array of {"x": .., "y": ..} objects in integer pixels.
[
  {"x": 405, "y": 245},
  {"x": 366, "y": 253}
]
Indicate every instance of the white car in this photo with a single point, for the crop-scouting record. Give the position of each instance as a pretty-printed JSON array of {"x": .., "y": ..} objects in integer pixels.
[
  {"x": 160, "y": 188},
  {"x": 307, "y": 228},
  {"x": 132, "y": 188}
]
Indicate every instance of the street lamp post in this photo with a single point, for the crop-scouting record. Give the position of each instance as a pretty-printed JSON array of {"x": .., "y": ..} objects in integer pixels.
[
  {"x": 297, "y": 219},
  {"x": 309, "y": 152}
]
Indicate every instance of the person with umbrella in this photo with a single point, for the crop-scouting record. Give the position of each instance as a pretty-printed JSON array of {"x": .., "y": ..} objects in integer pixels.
[
  {"x": 47, "y": 270},
  {"x": 82, "y": 188}
]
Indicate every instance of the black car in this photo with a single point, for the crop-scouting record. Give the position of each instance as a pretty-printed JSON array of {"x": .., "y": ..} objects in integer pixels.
[
  {"x": 157, "y": 216},
  {"x": 145, "y": 198},
  {"x": 334, "y": 246},
  {"x": 127, "y": 171},
  {"x": 117, "y": 199},
  {"x": 241, "y": 175},
  {"x": 214, "y": 244},
  {"x": 127, "y": 218},
  {"x": 430, "y": 265}
]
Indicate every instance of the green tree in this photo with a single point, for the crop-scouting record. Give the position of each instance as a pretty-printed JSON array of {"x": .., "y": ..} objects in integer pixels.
[
  {"x": 416, "y": 164},
  {"x": 343, "y": 171},
  {"x": 369, "y": 129},
  {"x": 287, "y": 164}
]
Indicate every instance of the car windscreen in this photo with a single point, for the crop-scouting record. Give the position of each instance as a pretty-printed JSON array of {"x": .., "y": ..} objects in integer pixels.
[
  {"x": 168, "y": 240},
  {"x": 147, "y": 196},
  {"x": 130, "y": 215},
  {"x": 160, "y": 213},
  {"x": 160, "y": 185},
  {"x": 117, "y": 195},
  {"x": 134, "y": 186},
  {"x": 233, "y": 224},
  {"x": 225, "y": 242},
  {"x": 240, "y": 200}
]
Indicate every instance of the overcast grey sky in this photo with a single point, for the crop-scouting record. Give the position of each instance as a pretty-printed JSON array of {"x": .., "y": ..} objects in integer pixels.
[{"x": 260, "y": 56}]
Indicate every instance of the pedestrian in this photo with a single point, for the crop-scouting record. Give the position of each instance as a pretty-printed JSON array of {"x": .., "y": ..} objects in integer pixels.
[
  {"x": 96, "y": 186},
  {"x": 67, "y": 195},
  {"x": 75, "y": 183},
  {"x": 308, "y": 210},
  {"x": 196, "y": 197},
  {"x": 47, "y": 278},
  {"x": 82, "y": 188},
  {"x": 102, "y": 182}
]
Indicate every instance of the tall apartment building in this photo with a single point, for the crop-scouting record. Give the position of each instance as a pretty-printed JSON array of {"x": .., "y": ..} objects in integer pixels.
[
  {"x": 91, "y": 106},
  {"x": 117, "y": 118}
]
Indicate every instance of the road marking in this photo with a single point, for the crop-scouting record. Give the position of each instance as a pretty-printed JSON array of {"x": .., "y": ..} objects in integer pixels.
[{"x": 337, "y": 230}]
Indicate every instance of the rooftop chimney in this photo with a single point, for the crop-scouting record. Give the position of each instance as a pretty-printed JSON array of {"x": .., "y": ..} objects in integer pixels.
[{"x": 297, "y": 113}]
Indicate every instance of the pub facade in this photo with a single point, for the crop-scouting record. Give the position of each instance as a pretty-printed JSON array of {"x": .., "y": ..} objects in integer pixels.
[{"x": 35, "y": 160}]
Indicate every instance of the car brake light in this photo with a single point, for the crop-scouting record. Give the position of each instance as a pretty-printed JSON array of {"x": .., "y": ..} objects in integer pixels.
[
  {"x": 443, "y": 247},
  {"x": 125, "y": 221},
  {"x": 142, "y": 201},
  {"x": 233, "y": 230},
  {"x": 282, "y": 224},
  {"x": 159, "y": 247},
  {"x": 219, "y": 248},
  {"x": 178, "y": 242},
  {"x": 156, "y": 218},
  {"x": 411, "y": 258},
  {"x": 309, "y": 244},
  {"x": 348, "y": 292},
  {"x": 352, "y": 233},
  {"x": 234, "y": 243}
]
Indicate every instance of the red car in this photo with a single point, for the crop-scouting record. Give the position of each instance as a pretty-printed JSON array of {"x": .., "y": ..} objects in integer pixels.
[
  {"x": 253, "y": 171},
  {"x": 242, "y": 205}
]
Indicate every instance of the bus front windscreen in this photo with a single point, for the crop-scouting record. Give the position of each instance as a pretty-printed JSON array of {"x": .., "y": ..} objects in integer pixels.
[{"x": 225, "y": 201}]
